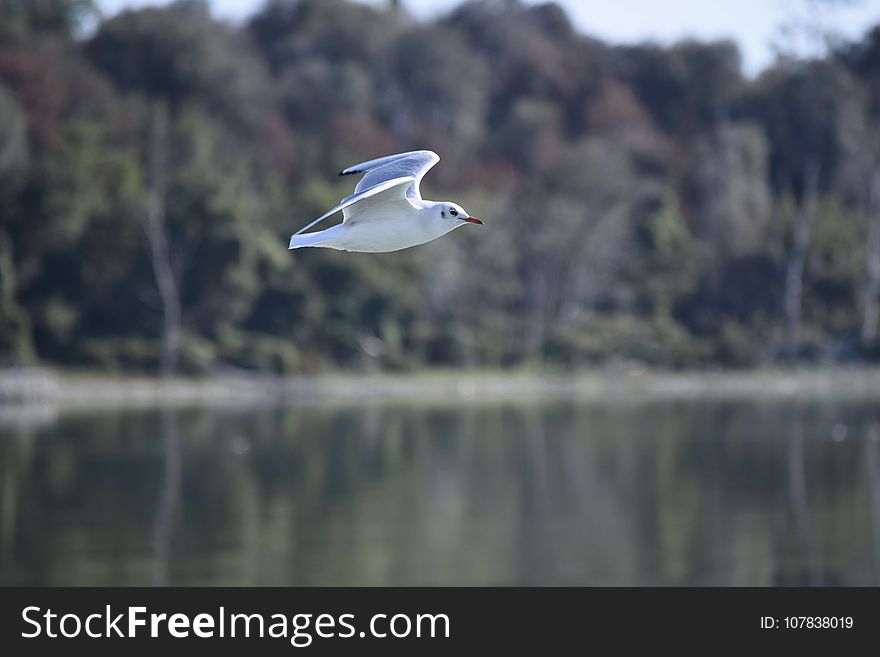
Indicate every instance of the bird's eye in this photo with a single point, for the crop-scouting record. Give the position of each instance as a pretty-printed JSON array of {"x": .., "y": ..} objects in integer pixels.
[{"x": 454, "y": 213}]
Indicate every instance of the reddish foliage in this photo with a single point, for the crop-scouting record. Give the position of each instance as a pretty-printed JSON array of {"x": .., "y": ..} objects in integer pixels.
[
  {"x": 33, "y": 78},
  {"x": 359, "y": 133},
  {"x": 278, "y": 143},
  {"x": 616, "y": 109}
]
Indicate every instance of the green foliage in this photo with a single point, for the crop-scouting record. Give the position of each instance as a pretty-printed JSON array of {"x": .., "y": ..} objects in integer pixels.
[
  {"x": 670, "y": 260},
  {"x": 181, "y": 54},
  {"x": 16, "y": 344},
  {"x": 685, "y": 87},
  {"x": 615, "y": 338},
  {"x": 812, "y": 112},
  {"x": 835, "y": 270},
  {"x": 21, "y": 17},
  {"x": 13, "y": 136}
]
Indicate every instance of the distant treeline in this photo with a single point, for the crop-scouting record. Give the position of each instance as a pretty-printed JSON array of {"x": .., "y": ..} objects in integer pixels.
[{"x": 644, "y": 204}]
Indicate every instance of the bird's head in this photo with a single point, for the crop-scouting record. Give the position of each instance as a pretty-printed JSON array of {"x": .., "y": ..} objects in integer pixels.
[{"x": 450, "y": 212}]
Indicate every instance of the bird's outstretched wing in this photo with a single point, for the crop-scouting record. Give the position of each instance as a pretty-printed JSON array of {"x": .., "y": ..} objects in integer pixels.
[
  {"x": 391, "y": 186},
  {"x": 413, "y": 163}
]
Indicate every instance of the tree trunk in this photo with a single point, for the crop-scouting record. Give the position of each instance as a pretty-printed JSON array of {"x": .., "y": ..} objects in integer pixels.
[
  {"x": 157, "y": 238},
  {"x": 872, "y": 285},
  {"x": 721, "y": 180},
  {"x": 794, "y": 268}
]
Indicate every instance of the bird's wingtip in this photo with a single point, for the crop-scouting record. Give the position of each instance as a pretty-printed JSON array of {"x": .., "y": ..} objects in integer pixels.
[{"x": 349, "y": 172}]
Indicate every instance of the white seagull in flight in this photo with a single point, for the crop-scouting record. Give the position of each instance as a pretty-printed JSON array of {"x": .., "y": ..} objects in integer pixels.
[{"x": 386, "y": 211}]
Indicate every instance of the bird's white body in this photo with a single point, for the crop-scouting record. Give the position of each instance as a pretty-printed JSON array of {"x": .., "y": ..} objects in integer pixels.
[
  {"x": 385, "y": 227},
  {"x": 386, "y": 212}
]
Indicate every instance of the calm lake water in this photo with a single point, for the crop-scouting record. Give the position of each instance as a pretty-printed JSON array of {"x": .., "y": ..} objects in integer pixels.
[{"x": 561, "y": 493}]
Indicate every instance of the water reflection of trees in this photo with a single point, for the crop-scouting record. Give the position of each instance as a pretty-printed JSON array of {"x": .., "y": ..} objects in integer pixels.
[
  {"x": 872, "y": 460},
  {"x": 169, "y": 496},
  {"x": 555, "y": 493},
  {"x": 804, "y": 529}
]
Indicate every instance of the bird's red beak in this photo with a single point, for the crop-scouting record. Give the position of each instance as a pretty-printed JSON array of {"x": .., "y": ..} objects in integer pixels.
[{"x": 474, "y": 220}]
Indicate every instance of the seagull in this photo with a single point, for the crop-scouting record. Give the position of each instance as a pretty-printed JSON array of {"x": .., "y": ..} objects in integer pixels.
[{"x": 386, "y": 211}]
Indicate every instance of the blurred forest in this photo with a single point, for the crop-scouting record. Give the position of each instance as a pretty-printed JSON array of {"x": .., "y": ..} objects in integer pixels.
[{"x": 644, "y": 204}]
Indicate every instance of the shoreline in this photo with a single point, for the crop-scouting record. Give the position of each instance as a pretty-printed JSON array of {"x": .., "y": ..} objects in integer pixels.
[{"x": 40, "y": 386}]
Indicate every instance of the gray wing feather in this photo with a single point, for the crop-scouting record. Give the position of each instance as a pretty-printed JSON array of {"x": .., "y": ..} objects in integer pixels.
[
  {"x": 348, "y": 201},
  {"x": 413, "y": 163}
]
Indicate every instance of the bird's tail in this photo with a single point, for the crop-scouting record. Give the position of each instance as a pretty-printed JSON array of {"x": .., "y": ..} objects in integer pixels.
[{"x": 309, "y": 239}]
